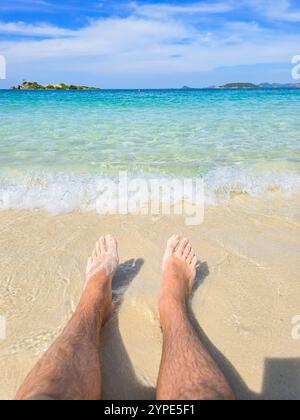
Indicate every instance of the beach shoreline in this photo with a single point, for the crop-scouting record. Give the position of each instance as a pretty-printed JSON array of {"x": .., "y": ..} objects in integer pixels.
[{"x": 247, "y": 296}]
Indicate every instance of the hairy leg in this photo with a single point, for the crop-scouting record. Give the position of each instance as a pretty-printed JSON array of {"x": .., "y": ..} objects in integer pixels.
[
  {"x": 187, "y": 372},
  {"x": 71, "y": 370}
]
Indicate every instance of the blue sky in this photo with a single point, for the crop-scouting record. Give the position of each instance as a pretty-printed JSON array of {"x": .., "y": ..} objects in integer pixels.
[{"x": 149, "y": 43}]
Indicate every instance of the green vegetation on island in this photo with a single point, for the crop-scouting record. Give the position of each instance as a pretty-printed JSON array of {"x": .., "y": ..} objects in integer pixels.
[
  {"x": 61, "y": 86},
  {"x": 251, "y": 86},
  {"x": 239, "y": 86},
  {"x": 260, "y": 86}
]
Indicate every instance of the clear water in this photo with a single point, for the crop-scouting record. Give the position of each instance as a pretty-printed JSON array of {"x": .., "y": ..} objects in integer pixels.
[{"x": 245, "y": 140}]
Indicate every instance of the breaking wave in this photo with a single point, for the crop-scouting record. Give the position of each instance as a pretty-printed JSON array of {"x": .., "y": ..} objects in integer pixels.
[{"x": 65, "y": 193}]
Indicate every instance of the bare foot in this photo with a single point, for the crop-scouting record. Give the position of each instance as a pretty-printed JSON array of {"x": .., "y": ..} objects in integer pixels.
[
  {"x": 104, "y": 258},
  {"x": 101, "y": 269},
  {"x": 179, "y": 271}
]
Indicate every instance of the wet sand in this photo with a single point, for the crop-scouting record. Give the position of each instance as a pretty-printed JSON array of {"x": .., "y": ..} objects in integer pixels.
[{"x": 248, "y": 291}]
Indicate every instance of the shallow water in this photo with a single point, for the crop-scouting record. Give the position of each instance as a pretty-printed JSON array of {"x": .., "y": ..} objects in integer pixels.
[{"x": 240, "y": 141}]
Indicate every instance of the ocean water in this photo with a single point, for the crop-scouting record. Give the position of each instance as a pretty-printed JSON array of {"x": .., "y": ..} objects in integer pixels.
[{"x": 57, "y": 148}]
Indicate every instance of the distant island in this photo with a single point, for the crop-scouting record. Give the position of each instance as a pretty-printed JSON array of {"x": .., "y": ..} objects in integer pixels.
[
  {"x": 238, "y": 86},
  {"x": 61, "y": 86},
  {"x": 187, "y": 88},
  {"x": 252, "y": 86}
]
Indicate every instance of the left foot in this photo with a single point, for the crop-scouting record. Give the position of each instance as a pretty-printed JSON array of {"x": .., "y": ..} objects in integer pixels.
[
  {"x": 104, "y": 259},
  {"x": 100, "y": 271}
]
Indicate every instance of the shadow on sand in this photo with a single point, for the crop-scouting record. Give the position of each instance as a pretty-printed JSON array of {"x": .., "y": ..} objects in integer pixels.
[
  {"x": 119, "y": 379},
  {"x": 281, "y": 376}
]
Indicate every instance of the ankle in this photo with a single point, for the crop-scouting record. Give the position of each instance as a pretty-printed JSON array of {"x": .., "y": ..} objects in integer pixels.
[
  {"x": 98, "y": 279},
  {"x": 175, "y": 290},
  {"x": 97, "y": 295},
  {"x": 170, "y": 307}
]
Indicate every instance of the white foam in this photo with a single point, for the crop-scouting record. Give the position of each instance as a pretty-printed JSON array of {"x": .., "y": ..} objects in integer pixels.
[
  {"x": 223, "y": 182},
  {"x": 65, "y": 193}
]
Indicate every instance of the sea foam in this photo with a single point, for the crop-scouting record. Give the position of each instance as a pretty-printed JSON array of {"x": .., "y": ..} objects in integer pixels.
[{"x": 66, "y": 193}]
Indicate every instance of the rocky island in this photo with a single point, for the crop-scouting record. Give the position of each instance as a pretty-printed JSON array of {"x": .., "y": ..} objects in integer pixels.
[
  {"x": 61, "y": 86},
  {"x": 239, "y": 86},
  {"x": 251, "y": 86},
  {"x": 260, "y": 86}
]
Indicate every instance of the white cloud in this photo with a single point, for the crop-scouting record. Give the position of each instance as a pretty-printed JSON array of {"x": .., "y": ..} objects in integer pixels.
[
  {"x": 50, "y": 7},
  {"x": 279, "y": 10},
  {"x": 108, "y": 37},
  {"x": 163, "y": 10},
  {"x": 44, "y": 30},
  {"x": 142, "y": 44},
  {"x": 24, "y": 5}
]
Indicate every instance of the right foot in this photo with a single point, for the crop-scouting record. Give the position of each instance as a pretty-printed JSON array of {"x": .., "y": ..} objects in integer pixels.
[{"x": 179, "y": 271}]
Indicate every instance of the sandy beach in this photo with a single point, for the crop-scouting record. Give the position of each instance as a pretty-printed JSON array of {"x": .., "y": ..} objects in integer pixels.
[
  {"x": 116, "y": 107},
  {"x": 247, "y": 293}
]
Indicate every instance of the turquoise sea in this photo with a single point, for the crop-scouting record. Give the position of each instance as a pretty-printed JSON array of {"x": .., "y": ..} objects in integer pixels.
[{"x": 55, "y": 145}]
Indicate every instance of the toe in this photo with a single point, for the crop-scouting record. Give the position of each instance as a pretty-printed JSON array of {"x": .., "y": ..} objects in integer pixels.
[
  {"x": 187, "y": 251},
  {"x": 182, "y": 246},
  {"x": 173, "y": 243},
  {"x": 190, "y": 257},
  {"x": 194, "y": 262},
  {"x": 111, "y": 243},
  {"x": 94, "y": 254},
  {"x": 102, "y": 245},
  {"x": 98, "y": 249}
]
